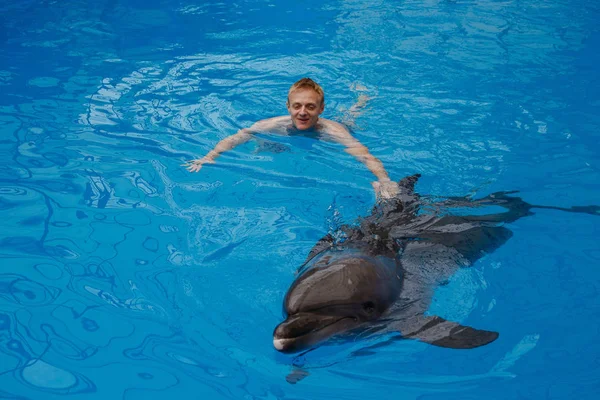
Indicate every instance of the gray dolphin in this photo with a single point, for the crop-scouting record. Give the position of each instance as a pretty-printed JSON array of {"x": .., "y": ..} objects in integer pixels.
[{"x": 382, "y": 276}]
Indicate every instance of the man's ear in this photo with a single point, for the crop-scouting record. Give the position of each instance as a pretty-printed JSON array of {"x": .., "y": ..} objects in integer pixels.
[{"x": 322, "y": 107}]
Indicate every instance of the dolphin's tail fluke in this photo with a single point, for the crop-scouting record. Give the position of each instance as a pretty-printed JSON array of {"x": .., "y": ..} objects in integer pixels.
[
  {"x": 593, "y": 210},
  {"x": 516, "y": 207}
]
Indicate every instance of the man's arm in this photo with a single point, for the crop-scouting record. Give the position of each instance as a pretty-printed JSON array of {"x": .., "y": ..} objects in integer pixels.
[
  {"x": 242, "y": 136},
  {"x": 384, "y": 186}
]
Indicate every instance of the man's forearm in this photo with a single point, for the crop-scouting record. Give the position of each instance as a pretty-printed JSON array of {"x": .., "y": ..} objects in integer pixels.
[
  {"x": 242, "y": 136},
  {"x": 376, "y": 167},
  {"x": 373, "y": 164}
]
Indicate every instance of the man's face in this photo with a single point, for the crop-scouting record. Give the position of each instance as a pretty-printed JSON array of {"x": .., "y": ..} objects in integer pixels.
[{"x": 305, "y": 106}]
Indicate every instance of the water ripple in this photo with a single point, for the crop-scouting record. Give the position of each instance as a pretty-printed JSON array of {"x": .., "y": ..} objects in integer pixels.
[{"x": 122, "y": 275}]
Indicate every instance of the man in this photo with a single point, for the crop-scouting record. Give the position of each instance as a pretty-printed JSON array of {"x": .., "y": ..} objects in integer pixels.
[{"x": 306, "y": 102}]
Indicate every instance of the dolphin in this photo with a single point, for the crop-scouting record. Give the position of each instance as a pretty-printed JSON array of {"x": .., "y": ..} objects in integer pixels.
[{"x": 381, "y": 277}]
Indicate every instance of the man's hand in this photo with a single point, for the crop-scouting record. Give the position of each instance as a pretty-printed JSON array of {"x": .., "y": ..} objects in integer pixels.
[
  {"x": 385, "y": 189},
  {"x": 196, "y": 165}
]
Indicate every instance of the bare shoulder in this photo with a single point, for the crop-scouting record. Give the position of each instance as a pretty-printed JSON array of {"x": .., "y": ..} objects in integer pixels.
[
  {"x": 271, "y": 125},
  {"x": 334, "y": 128}
]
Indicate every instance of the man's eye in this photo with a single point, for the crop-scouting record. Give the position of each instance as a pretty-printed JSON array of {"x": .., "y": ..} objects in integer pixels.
[
  {"x": 311, "y": 107},
  {"x": 296, "y": 106}
]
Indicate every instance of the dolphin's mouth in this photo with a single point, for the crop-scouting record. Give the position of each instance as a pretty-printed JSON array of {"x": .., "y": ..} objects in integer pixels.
[{"x": 301, "y": 331}]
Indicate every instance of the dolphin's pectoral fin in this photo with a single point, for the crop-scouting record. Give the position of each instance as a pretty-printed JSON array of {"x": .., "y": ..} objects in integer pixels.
[
  {"x": 439, "y": 332},
  {"x": 296, "y": 375},
  {"x": 465, "y": 337}
]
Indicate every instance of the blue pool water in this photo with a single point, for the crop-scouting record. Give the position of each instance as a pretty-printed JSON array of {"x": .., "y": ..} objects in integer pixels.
[{"x": 124, "y": 276}]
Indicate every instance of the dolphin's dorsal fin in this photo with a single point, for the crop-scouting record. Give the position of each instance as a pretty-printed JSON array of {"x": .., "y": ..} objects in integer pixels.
[
  {"x": 408, "y": 183},
  {"x": 405, "y": 199},
  {"x": 407, "y": 196}
]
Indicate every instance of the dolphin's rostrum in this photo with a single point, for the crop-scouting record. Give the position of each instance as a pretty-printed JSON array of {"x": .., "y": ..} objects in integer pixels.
[{"x": 382, "y": 277}]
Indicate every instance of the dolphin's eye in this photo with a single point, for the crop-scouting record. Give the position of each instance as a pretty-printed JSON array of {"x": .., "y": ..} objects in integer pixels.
[{"x": 369, "y": 307}]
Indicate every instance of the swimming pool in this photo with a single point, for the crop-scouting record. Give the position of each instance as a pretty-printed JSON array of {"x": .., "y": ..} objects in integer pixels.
[{"x": 123, "y": 275}]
